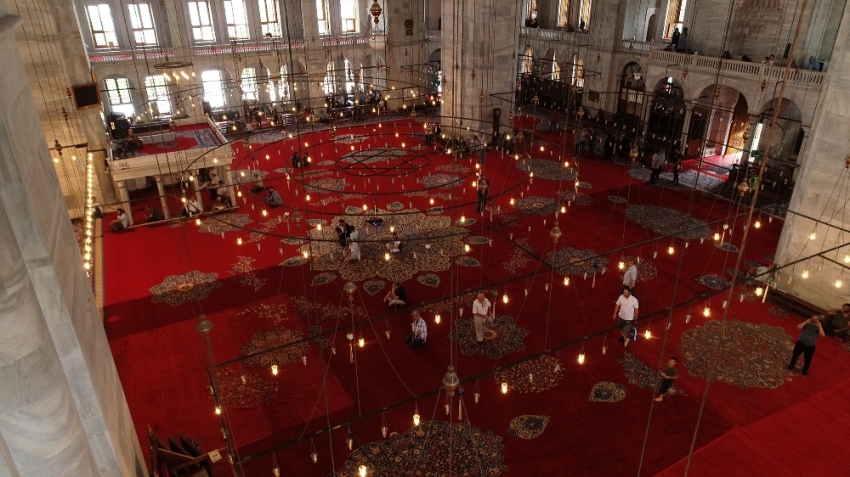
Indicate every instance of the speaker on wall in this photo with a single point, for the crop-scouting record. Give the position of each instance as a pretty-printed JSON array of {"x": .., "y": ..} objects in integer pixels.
[{"x": 86, "y": 96}]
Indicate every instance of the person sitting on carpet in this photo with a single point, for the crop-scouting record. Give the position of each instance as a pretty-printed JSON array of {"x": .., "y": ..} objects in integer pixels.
[
  {"x": 353, "y": 252},
  {"x": 296, "y": 160},
  {"x": 396, "y": 296},
  {"x": 668, "y": 376},
  {"x": 272, "y": 198},
  {"x": 837, "y": 322},
  {"x": 805, "y": 345},
  {"x": 419, "y": 331},
  {"x": 120, "y": 223},
  {"x": 258, "y": 182},
  {"x": 152, "y": 214},
  {"x": 395, "y": 245},
  {"x": 221, "y": 194},
  {"x": 191, "y": 208}
]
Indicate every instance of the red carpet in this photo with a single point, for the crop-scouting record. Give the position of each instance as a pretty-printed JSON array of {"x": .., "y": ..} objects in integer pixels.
[{"x": 589, "y": 438}]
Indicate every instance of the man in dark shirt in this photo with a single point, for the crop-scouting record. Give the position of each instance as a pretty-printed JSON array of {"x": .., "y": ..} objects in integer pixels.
[
  {"x": 838, "y": 322},
  {"x": 668, "y": 375},
  {"x": 396, "y": 296},
  {"x": 805, "y": 345},
  {"x": 483, "y": 192}
]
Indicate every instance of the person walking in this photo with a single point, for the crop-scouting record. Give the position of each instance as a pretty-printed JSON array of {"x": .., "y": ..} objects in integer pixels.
[
  {"x": 668, "y": 376},
  {"x": 805, "y": 345},
  {"x": 480, "y": 314},
  {"x": 483, "y": 192},
  {"x": 630, "y": 277},
  {"x": 625, "y": 312}
]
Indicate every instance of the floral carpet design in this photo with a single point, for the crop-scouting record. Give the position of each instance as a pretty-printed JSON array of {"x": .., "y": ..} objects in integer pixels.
[
  {"x": 453, "y": 169},
  {"x": 546, "y": 169},
  {"x": 435, "y": 210},
  {"x": 429, "y": 279},
  {"x": 466, "y": 222},
  {"x": 323, "y": 278},
  {"x": 432, "y": 449},
  {"x": 528, "y": 427},
  {"x": 245, "y": 390},
  {"x": 667, "y": 221},
  {"x": 777, "y": 311},
  {"x": 371, "y": 156},
  {"x": 467, "y": 261},
  {"x": 350, "y": 138},
  {"x": 430, "y": 243},
  {"x": 326, "y": 185},
  {"x": 740, "y": 353},
  {"x": 570, "y": 261},
  {"x": 441, "y": 180},
  {"x": 726, "y": 247},
  {"x": 275, "y": 340},
  {"x": 713, "y": 281},
  {"x": 315, "y": 332},
  {"x": 617, "y": 199},
  {"x": 577, "y": 198},
  {"x": 519, "y": 258},
  {"x": 395, "y": 206},
  {"x": 534, "y": 376},
  {"x": 295, "y": 261},
  {"x": 351, "y": 210},
  {"x": 265, "y": 228},
  {"x": 642, "y": 375},
  {"x": 321, "y": 311},
  {"x": 373, "y": 287},
  {"x": 221, "y": 223},
  {"x": 477, "y": 240},
  {"x": 606, "y": 391},
  {"x": 585, "y": 185},
  {"x": 204, "y": 137},
  {"x": 245, "y": 274},
  {"x": 274, "y": 312},
  {"x": 178, "y": 289},
  {"x": 646, "y": 270},
  {"x": 500, "y": 338},
  {"x": 537, "y": 205}
]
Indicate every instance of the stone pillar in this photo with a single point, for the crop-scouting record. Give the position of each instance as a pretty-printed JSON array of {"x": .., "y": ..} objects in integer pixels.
[
  {"x": 748, "y": 144},
  {"x": 686, "y": 126},
  {"x": 228, "y": 181},
  {"x": 76, "y": 64},
  {"x": 468, "y": 44},
  {"x": 124, "y": 199},
  {"x": 198, "y": 195},
  {"x": 800, "y": 156},
  {"x": 823, "y": 165},
  {"x": 63, "y": 411},
  {"x": 162, "y": 199}
]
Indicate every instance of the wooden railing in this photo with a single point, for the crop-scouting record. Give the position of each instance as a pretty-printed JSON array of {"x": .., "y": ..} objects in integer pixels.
[{"x": 744, "y": 69}]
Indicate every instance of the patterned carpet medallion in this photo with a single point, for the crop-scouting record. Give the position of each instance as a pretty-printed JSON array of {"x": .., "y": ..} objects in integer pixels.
[
  {"x": 726, "y": 247},
  {"x": 534, "y": 376},
  {"x": 244, "y": 273},
  {"x": 321, "y": 311},
  {"x": 453, "y": 168},
  {"x": 315, "y": 332},
  {"x": 617, "y": 199},
  {"x": 667, "y": 221},
  {"x": 519, "y": 258},
  {"x": 467, "y": 261},
  {"x": 546, "y": 169},
  {"x": 432, "y": 449},
  {"x": 429, "y": 279},
  {"x": 395, "y": 206},
  {"x": 741, "y": 353},
  {"x": 500, "y": 338},
  {"x": 221, "y": 223},
  {"x": 373, "y": 155},
  {"x": 295, "y": 261},
  {"x": 350, "y": 138},
  {"x": 577, "y": 198},
  {"x": 430, "y": 242},
  {"x": 245, "y": 390},
  {"x": 713, "y": 281},
  {"x": 606, "y": 391},
  {"x": 276, "y": 340},
  {"x": 274, "y": 312},
  {"x": 178, "y": 289},
  {"x": 646, "y": 270},
  {"x": 373, "y": 287},
  {"x": 477, "y": 240},
  {"x": 528, "y": 427},
  {"x": 570, "y": 261},
  {"x": 642, "y": 375},
  {"x": 323, "y": 278},
  {"x": 441, "y": 180},
  {"x": 537, "y": 205},
  {"x": 265, "y": 228},
  {"x": 204, "y": 137},
  {"x": 351, "y": 210},
  {"x": 326, "y": 185}
]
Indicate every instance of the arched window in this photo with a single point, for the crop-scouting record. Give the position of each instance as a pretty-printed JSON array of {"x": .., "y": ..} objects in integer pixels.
[
  {"x": 349, "y": 77},
  {"x": 632, "y": 91},
  {"x": 249, "y": 84},
  {"x": 556, "y": 69},
  {"x": 527, "y": 61},
  {"x": 119, "y": 95},
  {"x": 563, "y": 13},
  {"x": 584, "y": 15},
  {"x": 675, "y": 16},
  {"x": 213, "y": 82},
  {"x": 157, "y": 92},
  {"x": 578, "y": 71},
  {"x": 283, "y": 84},
  {"x": 329, "y": 80}
]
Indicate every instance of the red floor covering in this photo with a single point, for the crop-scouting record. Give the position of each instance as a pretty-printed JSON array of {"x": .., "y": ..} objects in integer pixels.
[{"x": 585, "y": 437}]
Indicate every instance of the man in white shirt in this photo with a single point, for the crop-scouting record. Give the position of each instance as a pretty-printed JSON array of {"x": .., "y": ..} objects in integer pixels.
[
  {"x": 625, "y": 312},
  {"x": 480, "y": 313},
  {"x": 192, "y": 207},
  {"x": 419, "y": 331},
  {"x": 353, "y": 250},
  {"x": 630, "y": 277}
]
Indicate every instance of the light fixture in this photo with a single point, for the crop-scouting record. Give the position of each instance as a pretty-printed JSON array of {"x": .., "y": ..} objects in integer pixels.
[
  {"x": 218, "y": 410},
  {"x": 437, "y": 319},
  {"x": 813, "y": 236},
  {"x": 274, "y": 369},
  {"x": 387, "y": 256},
  {"x": 504, "y": 387},
  {"x": 362, "y": 470},
  {"x": 838, "y": 283},
  {"x": 239, "y": 241},
  {"x": 621, "y": 265},
  {"x": 670, "y": 250},
  {"x": 706, "y": 311},
  {"x": 198, "y": 222},
  {"x": 432, "y": 201},
  {"x": 350, "y": 443},
  {"x": 513, "y": 201},
  {"x": 581, "y": 358},
  {"x": 505, "y": 298},
  {"x": 757, "y": 224},
  {"x": 647, "y": 334},
  {"x": 566, "y": 281},
  {"x": 847, "y": 259},
  {"x": 462, "y": 219},
  {"x": 759, "y": 291},
  {"x": 805, "y": 274},
  {"x": 466, "y": 247},
  {"x": 716, "y": 236},
  {"x": 563, "y": 209},
  {"x": 361, "y": 342}
]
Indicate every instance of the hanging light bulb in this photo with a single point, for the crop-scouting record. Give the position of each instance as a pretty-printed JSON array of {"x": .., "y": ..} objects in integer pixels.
[
  {"x": 504, "y": 388},
  {"x": 805, "y": 274},
  {"x": 416, "y": 419},
  {"x": 350, "y": 443},
  {"x": 387, "y": 256},
  {"x": 621, "y": 265},
  {"x": 276, "y": 471},
  {"x": 757, "y": 224},
  {"x": 308, "y": 197},
  {"x": 315, "y": 456},
  {"x": 239, "y": 241},
  {"x": 706, "y": 311},
  {"x": 647, "y": 334},
  {"x": 759, "y": 291},
  {"x": 604, "y": 349},
  {"x": 306, "y": 254},
  {"x": 198, "y": 222},
  {"x": 432, "y": 201},
  {"x": 466, "y": 247},
  {"x": 218, "y": 410},
  {"x": 361, "y": 342},
  {"x": 838, "y": 283},
  {"x": 813, "y": 236},
  {"x": 274, "y": 369},
  {"x": 505, "y": 298},
  {"x": 581, "y": 358},
  {"x": 513, "y": 201},
  {"x": 437, "y": 319},
  {"x": 362, "y": 470},
  {"x": 716, "y": 236},
  {"x": 563, "y": 209},
  {"x": 847, "y": 259},
  {"x": 384, "y": 430},
  {"x": 462, "y": 219},
  {"x": 670, "y": 250},
  {"x": 566, "y": 281}
]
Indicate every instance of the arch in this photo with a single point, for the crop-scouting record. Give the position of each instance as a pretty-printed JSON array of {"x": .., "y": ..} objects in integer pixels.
[
  {"x": 215, "y": 83},
  {"x": 435, "y": 56},
  {"x": 375, "y": 72},
  {"x": 632, "y": 91},
  {"x": 666, "y": 116},
  {"x": 527, "y": 60},
  {"x": 118, "y": 94},
  {"x": 786, "y": 134},
  {"x": 719, "y": 120}
]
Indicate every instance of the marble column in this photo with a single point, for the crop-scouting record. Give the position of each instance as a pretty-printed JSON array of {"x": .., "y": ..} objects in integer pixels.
[
  {"x": 801, "y": 158},
  {"x": 228, "y": 181},
  {"x": 162, "y": 199},
  {"x": 748, "y": 144},
  {"x": 63, "y": 411},
  {"x": 686, "y": 126},
  {"x": 124, "y": 199}
]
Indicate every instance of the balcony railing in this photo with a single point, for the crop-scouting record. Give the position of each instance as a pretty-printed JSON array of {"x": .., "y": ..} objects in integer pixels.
[
  {"x": 548, "y": 35},
  {"x": 639, "y": 46},
  {"x": 433, "y": 34},
  {"x": 742, "y": 69}
]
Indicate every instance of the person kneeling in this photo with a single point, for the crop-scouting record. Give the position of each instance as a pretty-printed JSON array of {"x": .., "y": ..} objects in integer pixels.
[
  {"x": 419, "y": 331},
  {"x": 353, "y": 252},
  {"x": 396, "y": 296}
]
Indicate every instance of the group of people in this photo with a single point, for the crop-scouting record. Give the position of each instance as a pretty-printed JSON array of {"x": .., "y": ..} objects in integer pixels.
[{"x": 659, "y": 160}]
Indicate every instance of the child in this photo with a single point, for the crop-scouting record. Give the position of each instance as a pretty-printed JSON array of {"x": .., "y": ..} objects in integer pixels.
[{"x": 669, "y": 374}]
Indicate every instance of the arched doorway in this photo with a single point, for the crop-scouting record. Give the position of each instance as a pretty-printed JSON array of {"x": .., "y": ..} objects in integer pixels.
[
  {"x": 666, "y": 115},
  {"x": 632, "y": 93},
  {"x": 718, "y": 123}
]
